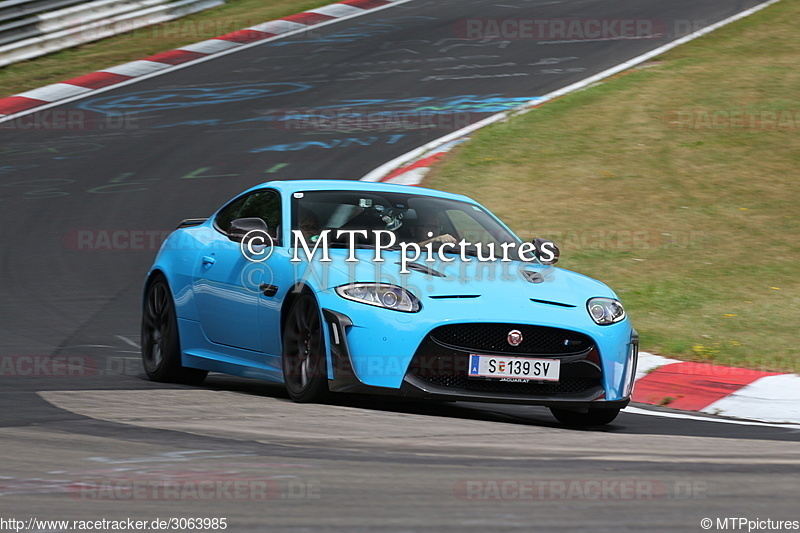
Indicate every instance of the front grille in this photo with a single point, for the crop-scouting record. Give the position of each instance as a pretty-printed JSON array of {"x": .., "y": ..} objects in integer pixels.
[
  {"x": 442, "y": 359},
  {"x": 489, "y": 338}
]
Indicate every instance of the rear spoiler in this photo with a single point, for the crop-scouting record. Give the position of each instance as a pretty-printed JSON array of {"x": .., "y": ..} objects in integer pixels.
[{"x": 191, "y": 222}]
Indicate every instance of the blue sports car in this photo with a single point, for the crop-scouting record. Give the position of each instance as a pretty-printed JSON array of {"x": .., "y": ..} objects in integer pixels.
[{"x": 343, "y": 286}]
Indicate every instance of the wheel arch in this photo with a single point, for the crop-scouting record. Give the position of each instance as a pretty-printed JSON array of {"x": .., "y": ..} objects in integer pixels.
[
  {"x": 169, "y": 367},
  {"x": 292, "y": 295},
  {"x": 315, "y": 388},
  {"x": 151, "y": 277}
]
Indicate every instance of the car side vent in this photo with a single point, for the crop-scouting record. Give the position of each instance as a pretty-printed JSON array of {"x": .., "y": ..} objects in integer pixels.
[
  {"x": 450, "y": 296},
  {"x": 548, "y": 302},
  {"x": 423, "y": 269}
]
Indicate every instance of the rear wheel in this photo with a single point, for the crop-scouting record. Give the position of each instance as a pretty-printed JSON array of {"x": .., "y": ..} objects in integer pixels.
[
  {"x": 161, "y": 347},
  {"x": 594, "y": 417},
  {"x": 304, "y": 362}
]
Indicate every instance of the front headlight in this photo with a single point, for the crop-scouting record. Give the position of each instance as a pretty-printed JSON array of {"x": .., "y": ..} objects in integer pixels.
[
  {"x": 380, "y": 295},
  {"x": 605, "y": 311}
]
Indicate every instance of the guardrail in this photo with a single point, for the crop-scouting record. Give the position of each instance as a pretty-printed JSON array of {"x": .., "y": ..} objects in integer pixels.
[{"x": 32, "y": 28}]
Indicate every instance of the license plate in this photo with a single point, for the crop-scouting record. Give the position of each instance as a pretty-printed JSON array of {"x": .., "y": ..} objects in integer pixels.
[{"x": 513, "y": 368}]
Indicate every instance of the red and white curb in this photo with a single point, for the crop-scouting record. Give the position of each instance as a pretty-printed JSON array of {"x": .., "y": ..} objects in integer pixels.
[
  {"x": 414, "y": 172},
  {"x": 718, "y": 390},
  {"x": 58, "y": 93}
]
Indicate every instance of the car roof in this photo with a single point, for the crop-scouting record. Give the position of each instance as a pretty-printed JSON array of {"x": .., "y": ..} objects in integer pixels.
[{"x": 292, "y": 186}]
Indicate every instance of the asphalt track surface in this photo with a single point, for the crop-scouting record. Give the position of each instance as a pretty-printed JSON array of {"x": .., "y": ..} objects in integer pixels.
[{"x": 152, "y": 153}]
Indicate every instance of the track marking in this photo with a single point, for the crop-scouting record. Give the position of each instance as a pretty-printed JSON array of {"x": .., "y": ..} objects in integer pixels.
[
  {"x": 126, "y": 340},
  {"x": 276, "y": 168},
  {"x": 664, "y": 414}
]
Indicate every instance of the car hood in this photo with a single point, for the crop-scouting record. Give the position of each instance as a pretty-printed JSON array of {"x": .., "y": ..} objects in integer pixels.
[{"x": 463, "y": 279}]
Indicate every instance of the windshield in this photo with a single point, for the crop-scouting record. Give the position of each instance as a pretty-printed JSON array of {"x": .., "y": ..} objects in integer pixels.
[{"x": 410, "y": 217}]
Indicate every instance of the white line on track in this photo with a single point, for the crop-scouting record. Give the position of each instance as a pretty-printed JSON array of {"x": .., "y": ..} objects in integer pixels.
[
  {"x": 92, "y": 346},
  {"x": 126, "y": 340},
  {"x": 685, "y": 416}
]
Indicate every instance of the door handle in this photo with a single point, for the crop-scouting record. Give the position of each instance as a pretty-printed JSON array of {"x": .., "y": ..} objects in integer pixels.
[
  {"x": 208, "y": 260},
  {"x": 268, "y": 290}
]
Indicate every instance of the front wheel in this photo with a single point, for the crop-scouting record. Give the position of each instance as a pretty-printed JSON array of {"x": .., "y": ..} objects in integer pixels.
[
  {"x": 304, "y": 361},
  {"x": 594, "y": 417},
  {"x": 161, "y": 347}
]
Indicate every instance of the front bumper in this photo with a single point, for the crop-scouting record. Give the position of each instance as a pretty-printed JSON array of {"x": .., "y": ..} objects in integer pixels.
[{"x": 438, "y": 372}]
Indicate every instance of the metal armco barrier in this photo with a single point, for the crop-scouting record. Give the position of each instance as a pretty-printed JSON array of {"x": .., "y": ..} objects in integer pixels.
[{"x": 32, "y": 28}]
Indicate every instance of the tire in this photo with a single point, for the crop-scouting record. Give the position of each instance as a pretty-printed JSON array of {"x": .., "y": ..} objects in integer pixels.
[
  {"x": 595, "y": 417},
  {"x": 304, "y": 355},
  {"x": 161, "y": 347}
]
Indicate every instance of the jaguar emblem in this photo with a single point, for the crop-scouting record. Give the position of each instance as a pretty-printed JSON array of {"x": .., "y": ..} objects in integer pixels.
[{"x": 514, "y": 337}]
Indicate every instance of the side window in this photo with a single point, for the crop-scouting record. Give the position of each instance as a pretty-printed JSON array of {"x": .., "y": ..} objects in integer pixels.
[
  {"x": 228, "y": 214},
  {"x": 265, "y": 205}
]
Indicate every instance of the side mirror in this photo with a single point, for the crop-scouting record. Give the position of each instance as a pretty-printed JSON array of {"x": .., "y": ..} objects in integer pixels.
[
  {"x": 546, "y": 251},
  {"x": 242, "y": 226}
]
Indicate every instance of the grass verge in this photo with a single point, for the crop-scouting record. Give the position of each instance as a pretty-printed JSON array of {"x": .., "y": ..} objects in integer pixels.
[
  {"x": 234, "y": 15},
  {"x": 675, "y": 184}
]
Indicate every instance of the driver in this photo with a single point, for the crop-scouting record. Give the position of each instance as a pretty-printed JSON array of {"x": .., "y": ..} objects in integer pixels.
[
  {"x": 309, "y": 224},
  {"x": 429, "y": 230}
]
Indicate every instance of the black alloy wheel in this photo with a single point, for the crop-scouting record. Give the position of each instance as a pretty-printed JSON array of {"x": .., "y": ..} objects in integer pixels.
[
  {"x": 161, "y": 347},
  {"x": 304, "y": 361}
]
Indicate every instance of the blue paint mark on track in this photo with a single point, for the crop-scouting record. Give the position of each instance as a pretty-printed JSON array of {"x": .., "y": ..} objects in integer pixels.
[
  {"x": 431, "y": 105},
  {"x": 333, "y": 143},
  {"x": 181, "y": 98}
]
